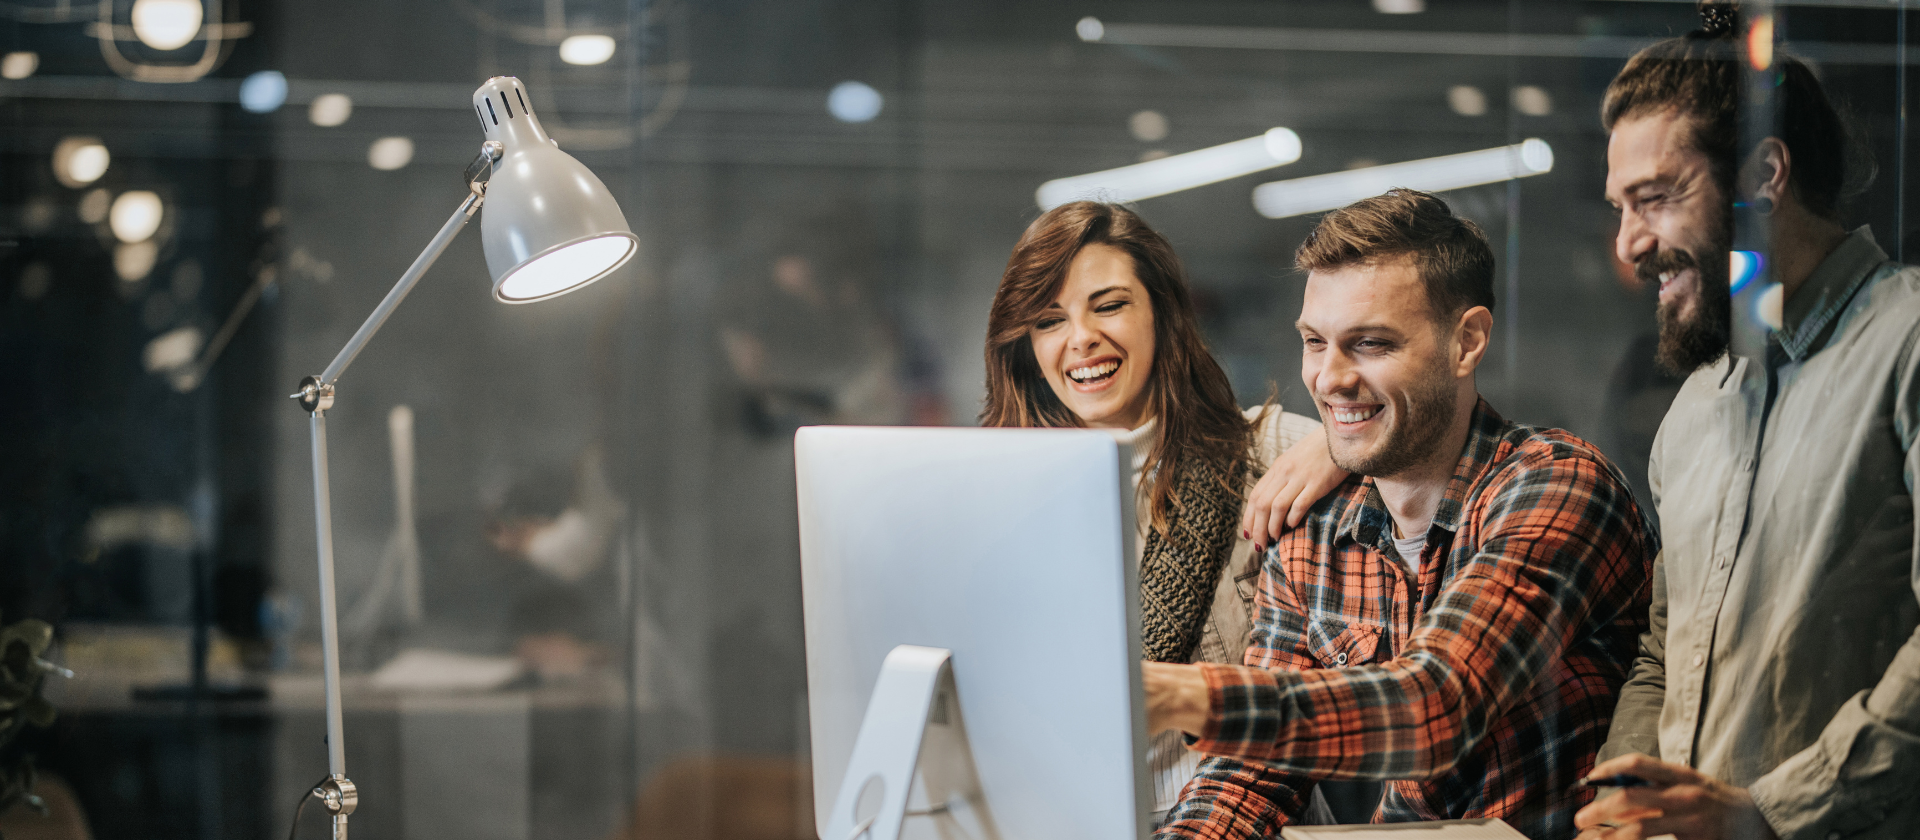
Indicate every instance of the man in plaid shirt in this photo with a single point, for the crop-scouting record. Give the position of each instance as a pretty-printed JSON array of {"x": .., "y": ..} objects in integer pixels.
[{"x": 1459, "y": 617}]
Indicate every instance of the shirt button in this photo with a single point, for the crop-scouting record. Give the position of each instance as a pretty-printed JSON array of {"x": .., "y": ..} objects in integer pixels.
[
  {"x": 1833, "y": 835},
  {"x": 1697, "y": 659}
]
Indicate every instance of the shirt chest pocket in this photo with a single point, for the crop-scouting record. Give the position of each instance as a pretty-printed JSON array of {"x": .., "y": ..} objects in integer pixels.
[{"x": 1344, "y": 644}]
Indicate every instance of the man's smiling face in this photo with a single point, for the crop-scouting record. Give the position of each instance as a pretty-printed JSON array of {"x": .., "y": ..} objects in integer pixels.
[
  {"x": 1676, "y": 230},
  {"x": 1376, "y": 360}
]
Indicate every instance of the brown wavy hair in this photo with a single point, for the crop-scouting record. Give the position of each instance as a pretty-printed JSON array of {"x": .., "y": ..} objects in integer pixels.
[{"x": 1187, "y": 392}]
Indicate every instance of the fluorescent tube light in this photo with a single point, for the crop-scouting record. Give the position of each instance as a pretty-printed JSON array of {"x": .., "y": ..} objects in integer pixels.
[
  {"x": 1312, "y": 194},
  {"x": 1277, "y": 147}
]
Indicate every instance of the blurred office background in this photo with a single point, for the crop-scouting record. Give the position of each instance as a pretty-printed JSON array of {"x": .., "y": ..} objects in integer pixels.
[{"x": 200, "y": 200}]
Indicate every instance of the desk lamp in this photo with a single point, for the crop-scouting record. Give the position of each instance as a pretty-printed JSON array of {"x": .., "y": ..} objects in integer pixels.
[{"x": 551, "y": 227}]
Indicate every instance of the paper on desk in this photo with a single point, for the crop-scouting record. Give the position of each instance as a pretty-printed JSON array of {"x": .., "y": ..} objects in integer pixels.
[
  {"x": 1484, "y": 829},
  {"x": 424, "y": 669}
]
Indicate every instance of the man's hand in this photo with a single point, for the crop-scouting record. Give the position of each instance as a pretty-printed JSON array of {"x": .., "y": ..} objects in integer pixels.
[
  {"x": 1297, "y": 479},
  {"x": 1177, "y": 697},
  {"x": 1680, "y": 802}
]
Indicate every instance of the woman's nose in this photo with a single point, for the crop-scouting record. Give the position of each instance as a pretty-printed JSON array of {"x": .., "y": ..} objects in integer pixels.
[{"x": 1083, "y": 335}]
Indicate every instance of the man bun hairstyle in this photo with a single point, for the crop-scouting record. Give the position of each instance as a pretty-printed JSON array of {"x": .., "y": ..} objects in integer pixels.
[
  {"x": 1702, "y": 76},
  {"x": 1451, "y": 254}
]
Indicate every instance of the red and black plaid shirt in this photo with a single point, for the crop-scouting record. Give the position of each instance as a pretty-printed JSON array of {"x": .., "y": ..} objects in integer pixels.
[{"x": 1484, "y": 688}]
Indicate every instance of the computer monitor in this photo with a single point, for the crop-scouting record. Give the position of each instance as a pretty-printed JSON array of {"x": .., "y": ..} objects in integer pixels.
[{"x": 1010, "y": 548}]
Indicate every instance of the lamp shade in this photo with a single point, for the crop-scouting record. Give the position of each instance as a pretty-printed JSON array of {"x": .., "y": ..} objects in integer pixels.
[{"x": 548, "y": 225}]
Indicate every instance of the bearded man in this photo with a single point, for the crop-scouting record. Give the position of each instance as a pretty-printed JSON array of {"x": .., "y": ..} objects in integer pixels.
[
  {"x": 1778, "y": 692},
  {"x": 1458, "y": 618}
]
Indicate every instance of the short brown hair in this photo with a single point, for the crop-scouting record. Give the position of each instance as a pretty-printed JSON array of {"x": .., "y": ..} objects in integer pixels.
[
  {"x": 1702, "y": 76},
  {"x": 1187, "y": 391},
  {"x": 1450, "y": 252}
]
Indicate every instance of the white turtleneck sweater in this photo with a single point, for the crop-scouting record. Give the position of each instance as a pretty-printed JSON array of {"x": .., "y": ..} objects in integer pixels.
[{"x": 1168, "y": 759}]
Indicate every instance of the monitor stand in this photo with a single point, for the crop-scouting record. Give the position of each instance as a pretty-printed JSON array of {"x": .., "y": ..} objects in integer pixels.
[{"x": 913, "y": 706}]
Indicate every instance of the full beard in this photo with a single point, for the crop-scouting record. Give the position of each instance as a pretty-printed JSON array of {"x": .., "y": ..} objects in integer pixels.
[
  {"x": 1688, "y": 344},
  {"x": 1413, "y": 436}
]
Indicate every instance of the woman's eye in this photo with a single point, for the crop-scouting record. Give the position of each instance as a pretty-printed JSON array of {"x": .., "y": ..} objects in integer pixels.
[
  {"x": 1047, "y": 323},
  {"x": 1109, "y": 308}
]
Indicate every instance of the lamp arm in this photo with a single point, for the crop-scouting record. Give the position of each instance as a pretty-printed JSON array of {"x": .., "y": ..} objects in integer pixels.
[
  {"x": 337, "y": 792},
  {"x": 400, "y": 289}
]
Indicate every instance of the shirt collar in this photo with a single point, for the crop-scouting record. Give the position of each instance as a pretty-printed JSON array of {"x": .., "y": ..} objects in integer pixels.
[
  {"x": 1369, "y": 520},
  {"x": 1813, "y": 307}
]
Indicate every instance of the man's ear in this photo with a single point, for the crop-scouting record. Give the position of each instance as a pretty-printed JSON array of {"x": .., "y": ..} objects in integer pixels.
[
  {"x": 1470, "y": 336},
  {"x": 1766, "y": 173}
]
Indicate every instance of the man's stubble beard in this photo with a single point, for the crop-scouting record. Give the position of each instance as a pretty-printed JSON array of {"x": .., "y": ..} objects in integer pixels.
[
  {"x": 1429, "y": 415},
  {"x": 1688, "y": 344}
]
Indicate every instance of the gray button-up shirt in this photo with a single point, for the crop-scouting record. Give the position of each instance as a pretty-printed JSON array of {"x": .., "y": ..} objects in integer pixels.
[{"x": 1784, "y": 655}]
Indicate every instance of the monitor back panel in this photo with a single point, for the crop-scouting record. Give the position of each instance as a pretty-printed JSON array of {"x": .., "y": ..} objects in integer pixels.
[{"x": 1009, "y": 547}]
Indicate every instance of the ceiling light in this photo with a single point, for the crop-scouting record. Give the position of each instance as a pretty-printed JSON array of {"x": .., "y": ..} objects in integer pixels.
[
  {"x": 1532, "y": 101},
  {"x": 390, "y": 153},
  {"x": 330, "y": 109},
  {"x": 35, "y": 280},
  {"x": 166, "y": 24},
  {"x": 19, "y": 65},
  {"x": 133, "y": 261},
  {"x": 1312, "y": 194},
  {"x": 1466, "y": 100},
  {"x": 1400, "y": 7},
  {"x": 172, "y": 350},
  {"x": 1090, "y": 29},
  {"x": 1148, "y": 126},
  {"x": 586, "y": 49},
  {"x": 79, "y": 161},
  {"x": 264, "y": 92},
  {"x": 94, "y": 206},
  {"x": 854, "y": 102},
  {"x": 1277, "y": 147},
  {"x": 135, "y": 216}
]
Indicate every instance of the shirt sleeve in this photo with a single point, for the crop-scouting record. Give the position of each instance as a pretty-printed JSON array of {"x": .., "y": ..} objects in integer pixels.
[
  {"x": 1636, "y": 718},
  {"x": 1559, "y": 557},
  {"x": 1276, "y": 431},
  {"x": 1864, "y": 763},
  {"x": 1232, "y": 799}
]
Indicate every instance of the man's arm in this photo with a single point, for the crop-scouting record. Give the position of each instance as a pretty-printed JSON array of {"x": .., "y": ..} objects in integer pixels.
[
  {"x": 1235, "y": 800},
  {"x": 1231, "y": 799},
  {"x": 1867, "y": 758},
  {"x": 1636, "y": 718},
  {"x": 1562, "y": 553}
]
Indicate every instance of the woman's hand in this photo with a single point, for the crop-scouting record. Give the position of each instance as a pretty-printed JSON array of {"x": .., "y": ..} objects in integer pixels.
[{"x": 1297, "y": 479}]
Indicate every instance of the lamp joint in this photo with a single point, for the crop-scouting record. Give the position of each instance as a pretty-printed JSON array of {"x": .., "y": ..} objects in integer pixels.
[
  {"x": 314, "y": 395},
  {"x": 482, "y": 166},
  {"x": 339, "y": 795}
]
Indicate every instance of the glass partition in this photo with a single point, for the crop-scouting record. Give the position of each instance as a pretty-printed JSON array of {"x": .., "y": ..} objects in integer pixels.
[{"x": 568, "y": 567}]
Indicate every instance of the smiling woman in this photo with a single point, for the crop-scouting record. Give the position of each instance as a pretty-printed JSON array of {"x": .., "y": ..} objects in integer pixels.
[{"x": 1093, "y": 327}]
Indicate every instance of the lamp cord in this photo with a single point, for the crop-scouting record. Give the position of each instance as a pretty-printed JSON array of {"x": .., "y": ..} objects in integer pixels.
[{"x": 301, "y": 806}]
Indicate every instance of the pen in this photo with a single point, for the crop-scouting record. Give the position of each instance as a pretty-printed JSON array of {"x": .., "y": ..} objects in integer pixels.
[{"x": 1620, "y": 780}]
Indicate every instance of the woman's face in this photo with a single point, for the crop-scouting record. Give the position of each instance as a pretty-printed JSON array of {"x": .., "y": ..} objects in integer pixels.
[{"x": 1094, "y": 343}]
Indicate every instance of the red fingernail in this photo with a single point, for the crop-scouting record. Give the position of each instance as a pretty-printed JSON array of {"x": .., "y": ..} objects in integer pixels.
[{"x": 1245, "y": 536}]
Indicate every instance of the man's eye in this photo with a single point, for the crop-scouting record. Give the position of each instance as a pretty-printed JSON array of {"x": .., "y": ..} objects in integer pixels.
[
  {"x": 1314, "y": 343},
  {"x": 1371, "y": 344}
]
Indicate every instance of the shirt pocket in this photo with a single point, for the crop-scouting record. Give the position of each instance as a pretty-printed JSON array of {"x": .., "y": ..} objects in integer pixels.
[{"x": 1337, "y": 644}]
